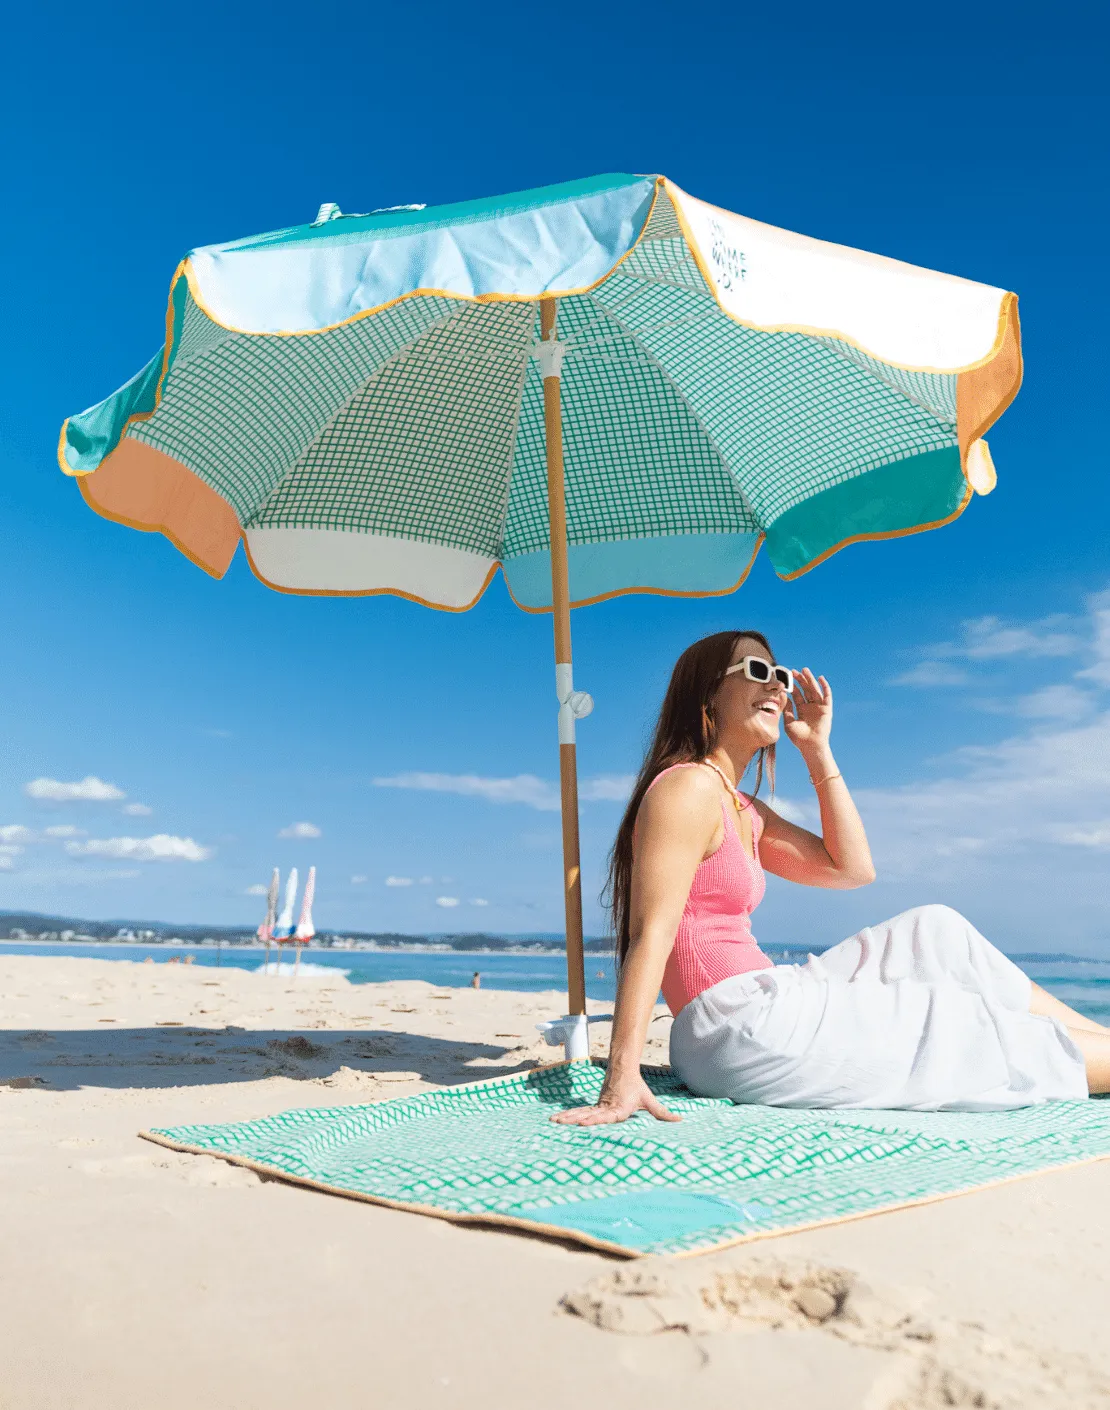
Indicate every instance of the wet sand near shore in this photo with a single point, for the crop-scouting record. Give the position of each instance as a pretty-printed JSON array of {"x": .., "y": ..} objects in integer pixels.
[{"x": 134, "y": 1276}]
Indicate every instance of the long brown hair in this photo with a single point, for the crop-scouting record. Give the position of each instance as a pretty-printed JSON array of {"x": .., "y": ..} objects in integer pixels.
[{"x": 686, "y": 732}]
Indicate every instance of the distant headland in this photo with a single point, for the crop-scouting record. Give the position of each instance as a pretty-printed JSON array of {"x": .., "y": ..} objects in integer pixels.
[{"x": 31, "y": 927}]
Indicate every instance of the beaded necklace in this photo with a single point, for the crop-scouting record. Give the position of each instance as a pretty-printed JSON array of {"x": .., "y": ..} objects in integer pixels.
[{"x": 741, "y": 807}]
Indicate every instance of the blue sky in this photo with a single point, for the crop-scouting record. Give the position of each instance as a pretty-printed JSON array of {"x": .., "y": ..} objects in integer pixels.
[{"x": 973, "y": 687}]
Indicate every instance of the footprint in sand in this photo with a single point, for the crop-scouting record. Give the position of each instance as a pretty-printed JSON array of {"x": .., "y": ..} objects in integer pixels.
[
  {"x": 218, "y": 1174},
  {"x": 210, "y": 1173},
  {"x": 115, "y": 1167},
  {"x": 931, "y": 1363}
]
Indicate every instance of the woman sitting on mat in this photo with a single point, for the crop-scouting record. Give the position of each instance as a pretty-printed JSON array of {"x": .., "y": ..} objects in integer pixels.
[{"x": 919, "y": 1012}]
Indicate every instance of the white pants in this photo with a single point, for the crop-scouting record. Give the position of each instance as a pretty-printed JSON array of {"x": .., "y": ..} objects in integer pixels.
[{"x": 920, "y": 1013}]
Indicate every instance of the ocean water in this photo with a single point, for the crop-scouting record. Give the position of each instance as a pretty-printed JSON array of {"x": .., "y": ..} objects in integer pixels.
[{"x": 1083, "y": 984}]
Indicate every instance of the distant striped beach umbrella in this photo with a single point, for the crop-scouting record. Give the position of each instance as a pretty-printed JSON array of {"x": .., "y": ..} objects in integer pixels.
[
  {"x": 305, "y": 929},
  {"x": 284, "y": 927},
  {"x": 602, "y": 387},
  {"x": 266, "y": 929}
]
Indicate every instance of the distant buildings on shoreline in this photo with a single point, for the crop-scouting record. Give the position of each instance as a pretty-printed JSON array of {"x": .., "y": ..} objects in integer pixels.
[{"x": 113, "y": 933}]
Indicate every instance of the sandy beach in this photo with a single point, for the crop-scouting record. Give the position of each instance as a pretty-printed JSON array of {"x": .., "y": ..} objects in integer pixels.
[{"x": 134, "y": 1276}]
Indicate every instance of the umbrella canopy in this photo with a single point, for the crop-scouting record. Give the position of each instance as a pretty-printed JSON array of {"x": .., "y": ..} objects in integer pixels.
[
  {"x": 602, "y": 387},
  {"x": 358, "y": 401}
]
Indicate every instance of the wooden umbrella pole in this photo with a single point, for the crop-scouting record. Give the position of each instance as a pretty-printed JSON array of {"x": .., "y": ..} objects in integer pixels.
[{"x": 560, "y": 600}]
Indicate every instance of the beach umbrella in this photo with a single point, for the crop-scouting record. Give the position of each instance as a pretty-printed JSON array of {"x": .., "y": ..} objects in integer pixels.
[
  {"x": 602, "y": 387},
  {"x": 305, "y": 929},
  {"x": 266, "y": 929},
  {"x": 284, "y": 927}
]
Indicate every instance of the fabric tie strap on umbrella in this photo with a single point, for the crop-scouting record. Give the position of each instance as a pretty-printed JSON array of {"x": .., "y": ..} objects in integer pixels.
[{"x": 361, "y": 403}]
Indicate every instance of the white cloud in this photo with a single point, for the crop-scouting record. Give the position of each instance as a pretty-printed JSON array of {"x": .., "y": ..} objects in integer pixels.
[
  {"x": 523, "y": 788},
  {"x": 1055, "y": 702},
  {"x": 159, "y": 848},
  {"x": 359, "y": 880},
  {"x": 1025, "y": 810},
  {"x": 9, "y": 849},
  {"x": 989, "y": 639},
  {"x": 399, "y": 880},
  {"x": 62, "y": 830},
  {"x": 138, "y": 810},
  {"x": 607, "y": 788},
  {"x": 447, "y": 901},
  {"x": 801, "y": 813},
  {"x": 93, "y": 877},
  {"x": 90, "y": 789},
  {"x": 1097, "y": 837},
  {"x": 478, "y": 901},
  {"x": 533, "y": 792},
  {"x": 931, "y": 673},
  {"x": 423, "y": 881},
  {"x": 258, "y": 889},
  {"x": 5, "y": 863},
  {"x": 1052, "y": 702},
  {"x": 1099, "y": 608},
  {"x": 1006, "y": 802},
  {"x": 16, "y": 832},
  {"x": 301, "y": 829}
]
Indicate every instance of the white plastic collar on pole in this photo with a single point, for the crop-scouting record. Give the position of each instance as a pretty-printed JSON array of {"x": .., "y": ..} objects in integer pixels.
[
  {"x": 573, "y": 704},
  {"x": 573, "y": 1031},
  {"x": 549, "y": 353}
]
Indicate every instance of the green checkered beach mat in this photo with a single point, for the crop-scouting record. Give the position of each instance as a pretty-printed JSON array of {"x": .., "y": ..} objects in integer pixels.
[{"x": 487, "y": 1152}]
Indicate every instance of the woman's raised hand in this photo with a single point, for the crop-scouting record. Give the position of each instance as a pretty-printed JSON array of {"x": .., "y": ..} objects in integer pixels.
[
  {"x": 812, "y": 701},
  {"x": 618, "y": 1101}
]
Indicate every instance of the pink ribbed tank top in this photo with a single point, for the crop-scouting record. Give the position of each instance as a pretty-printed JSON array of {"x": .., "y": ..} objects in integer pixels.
[{"x": 714, "y": 939}]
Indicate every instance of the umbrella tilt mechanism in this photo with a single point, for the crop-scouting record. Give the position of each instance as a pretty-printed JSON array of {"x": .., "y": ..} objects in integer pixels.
[{"x": 573, "y": 1031}]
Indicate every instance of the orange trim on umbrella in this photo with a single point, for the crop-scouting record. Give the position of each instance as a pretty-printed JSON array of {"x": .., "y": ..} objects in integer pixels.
[
  {"x": 64, "y": 464},
  {"x": 984, "y": 392},
  {"x": 143, "y": 488},
  {"x": 646, "y": 591},
  {"x": 809, "y": 332},
  {"x": 877, "y": 537},
  {"x": 190, "y": 275},
  {"x": 367, "y": 592}
]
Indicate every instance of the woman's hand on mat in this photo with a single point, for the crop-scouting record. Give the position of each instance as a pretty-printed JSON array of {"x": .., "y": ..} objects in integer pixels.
[
  {"x": 618, "y": 1101},
  {"x": 812, "y": 703}
]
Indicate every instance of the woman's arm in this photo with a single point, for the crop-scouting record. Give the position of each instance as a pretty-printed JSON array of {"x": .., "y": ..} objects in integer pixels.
[
  {"x": 678, "y": 824},
  {"x": 840, "y": 859}
]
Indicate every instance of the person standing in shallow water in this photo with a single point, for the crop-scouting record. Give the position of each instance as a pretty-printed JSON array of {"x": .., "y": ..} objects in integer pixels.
[{"x": 919, "y": 1012}]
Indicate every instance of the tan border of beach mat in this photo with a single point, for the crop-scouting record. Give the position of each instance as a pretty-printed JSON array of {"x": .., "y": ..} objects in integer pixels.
[{"x": 531, "y": 1226}]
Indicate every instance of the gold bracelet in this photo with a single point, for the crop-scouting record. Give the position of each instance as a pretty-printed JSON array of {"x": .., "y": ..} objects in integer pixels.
[{"x": 817, "y": 782}]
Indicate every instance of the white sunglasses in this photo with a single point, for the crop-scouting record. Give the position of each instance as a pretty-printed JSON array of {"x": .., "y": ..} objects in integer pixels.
[{"x": 760, "y": 670}]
